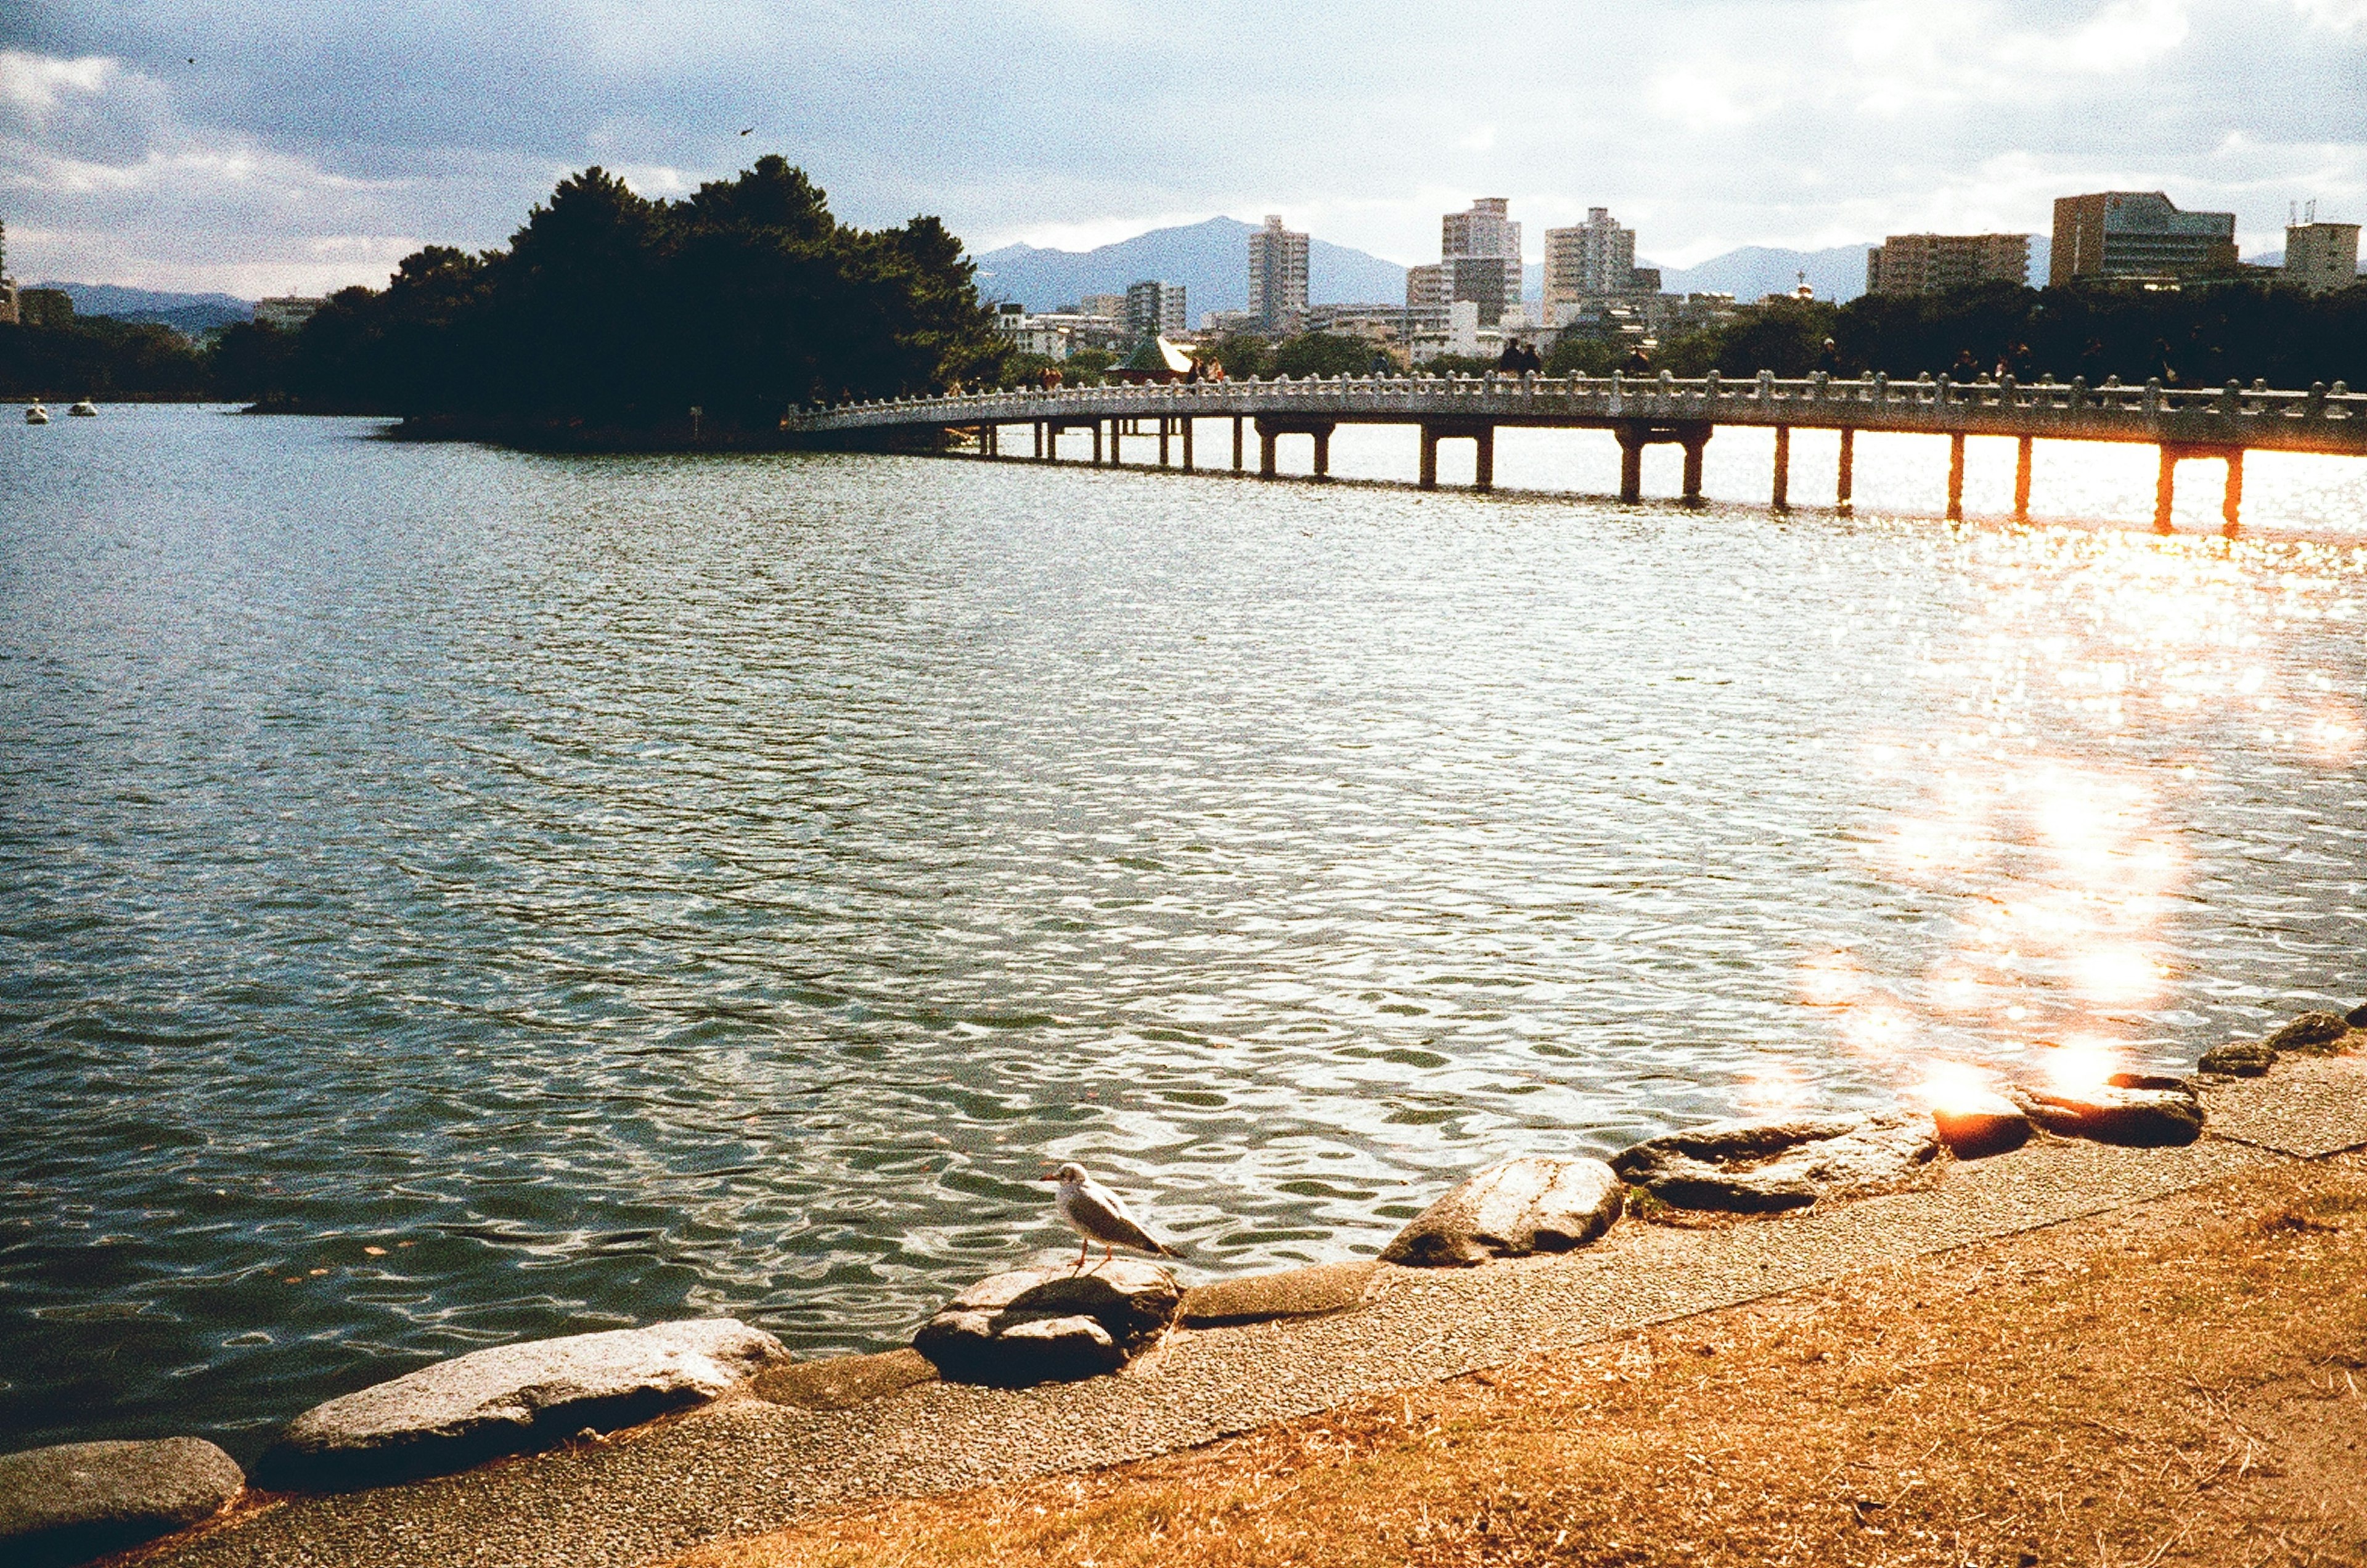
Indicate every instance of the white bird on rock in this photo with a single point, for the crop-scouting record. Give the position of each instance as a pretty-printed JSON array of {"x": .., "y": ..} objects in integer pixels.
[{"x": 1098, "y": 1215}]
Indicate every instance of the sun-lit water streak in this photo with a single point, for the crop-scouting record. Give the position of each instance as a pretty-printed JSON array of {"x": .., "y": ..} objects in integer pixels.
[{"x": 617, "y": 888}]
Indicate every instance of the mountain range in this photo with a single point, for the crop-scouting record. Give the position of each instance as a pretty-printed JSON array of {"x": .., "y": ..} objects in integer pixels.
[
  {"x": 194, "y": 314},
  {"x": 1209, "y": 259}
]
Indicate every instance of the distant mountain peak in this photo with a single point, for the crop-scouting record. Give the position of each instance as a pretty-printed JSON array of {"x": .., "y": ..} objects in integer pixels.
[{"x": 1209, "y": 258}]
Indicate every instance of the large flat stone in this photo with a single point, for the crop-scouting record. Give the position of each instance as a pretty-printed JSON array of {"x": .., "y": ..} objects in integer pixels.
[
  {"x": 69, "y": 1504},
  {"x": 2129, "y": 1108},
  {"x": 1977, "y": 1125},
  {"x": 1766, "y": 1166},
  {"x": 1512, "y": 1209},
  {"x": 2313, "y": 1034},
  {"x": 1292, "y": 1292},
  {"x": 512, "y": 1399},
  {"x": 1051, "y": 1325}
]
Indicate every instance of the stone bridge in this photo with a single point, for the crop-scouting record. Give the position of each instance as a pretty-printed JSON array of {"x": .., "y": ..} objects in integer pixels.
[{"x": 2222, "y": 423}]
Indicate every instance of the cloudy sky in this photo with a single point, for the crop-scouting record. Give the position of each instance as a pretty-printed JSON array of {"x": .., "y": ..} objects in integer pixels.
[{"x": 296, "y": 144}]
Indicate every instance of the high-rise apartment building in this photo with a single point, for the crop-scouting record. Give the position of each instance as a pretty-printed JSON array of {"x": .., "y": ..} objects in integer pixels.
[
  {"x": 2133, "y": 233},
  {"x": 1277, "y": 277},
  {"x": 2320, "y": 256},
  {"x": 1154, "y": 310},
  {"x": 1596, "y": 257},
  {"x": 1426, "y": 287},
  {"x": 8, "y": 286},
  {"x": 1933, "y": 263},
  {"x": 1479, "y": 257}
]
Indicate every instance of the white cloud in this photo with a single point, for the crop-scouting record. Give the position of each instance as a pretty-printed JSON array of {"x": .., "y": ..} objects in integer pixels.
[
  {"x": 2342, "y": 15},
  {"x": 2125, "y": 35},
  {"x": 1705, "y": 123}
]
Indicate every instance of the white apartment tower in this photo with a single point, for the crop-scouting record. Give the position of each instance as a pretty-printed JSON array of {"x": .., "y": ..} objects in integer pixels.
[
  {"x": 1155, "y": 310},
  {"x": 1277, "y": 277},
  {"x": 1598, "y": 256},
  {"x": 2321, "y": 256},
  {"x": 1479, "y": 257}
]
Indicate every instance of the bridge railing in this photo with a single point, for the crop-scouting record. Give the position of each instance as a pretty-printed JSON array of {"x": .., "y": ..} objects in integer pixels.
[{"x": 1610, "y": 394}]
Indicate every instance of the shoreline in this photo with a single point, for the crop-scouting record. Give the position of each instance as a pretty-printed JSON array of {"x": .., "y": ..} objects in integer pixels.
[{"x": 817, "y": 1436}]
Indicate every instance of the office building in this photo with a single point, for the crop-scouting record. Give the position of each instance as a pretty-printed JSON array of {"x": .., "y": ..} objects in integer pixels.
[
  {"x": 2138, "y": 234},
  {"x": 1479, "y": 257},
  {"x": 1595, "y": 258},
  {"x": 2321, "y": 256},
  {"x": 1110, "y": 305},
  {"x": 1933, "y": 263},
  {"x": 1277, "y": 277},
  {"x": 1154, "y": 308}
]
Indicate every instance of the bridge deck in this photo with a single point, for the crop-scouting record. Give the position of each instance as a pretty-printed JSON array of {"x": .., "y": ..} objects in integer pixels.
[{"x": 2228, "y": 419}]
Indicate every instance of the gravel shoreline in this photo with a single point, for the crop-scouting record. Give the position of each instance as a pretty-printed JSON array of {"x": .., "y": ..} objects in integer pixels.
[{"x": 747, "y": 1464}]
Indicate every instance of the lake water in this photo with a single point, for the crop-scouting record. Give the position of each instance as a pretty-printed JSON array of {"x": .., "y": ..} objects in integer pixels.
[{"x": 449, "y": 896}]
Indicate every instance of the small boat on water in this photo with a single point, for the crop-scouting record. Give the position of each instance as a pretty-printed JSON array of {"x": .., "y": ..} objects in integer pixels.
[
  {"x": 82, "y": 409},
  {"x": 35, "y": 414}
]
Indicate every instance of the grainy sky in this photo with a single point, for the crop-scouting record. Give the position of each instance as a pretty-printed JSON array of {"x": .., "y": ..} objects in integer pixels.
[{"x": 259, "y": 148}]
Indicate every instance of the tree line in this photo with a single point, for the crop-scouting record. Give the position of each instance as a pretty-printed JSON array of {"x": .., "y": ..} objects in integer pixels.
[
  {"x": 612, "y": 311},
  {"x": 2192, "y": 337},
  {"x": 607, "y": 310}
]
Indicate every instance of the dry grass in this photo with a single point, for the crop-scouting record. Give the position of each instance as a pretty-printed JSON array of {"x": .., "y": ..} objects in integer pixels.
[{"x": 2180, "y": 1384}]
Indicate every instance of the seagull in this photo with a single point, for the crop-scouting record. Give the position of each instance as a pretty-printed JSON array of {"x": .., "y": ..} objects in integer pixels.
[{"x": 1098, "y": 1215}]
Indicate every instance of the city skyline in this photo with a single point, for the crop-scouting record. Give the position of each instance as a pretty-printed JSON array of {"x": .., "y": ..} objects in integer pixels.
[{"x": 169, "y": 147}]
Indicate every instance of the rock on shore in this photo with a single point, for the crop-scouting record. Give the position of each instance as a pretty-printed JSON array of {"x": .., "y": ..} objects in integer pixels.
[
  {"x": 2320, "y": 1033},
  {"x": 72, "y": 1503},
  {"x": 512, "y": 1399},
  {"x": 1051, "y": 1325},
  {"x": 2138, "y": 1110},
  {"x": 1974, "y": 1126},
  {"x": 1512, "y": 1209},
  {"x": 1765, "y": 1167}
]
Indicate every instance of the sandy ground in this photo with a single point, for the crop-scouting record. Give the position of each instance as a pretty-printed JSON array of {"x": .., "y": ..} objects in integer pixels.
[{"x": 2182, "y": 1380}]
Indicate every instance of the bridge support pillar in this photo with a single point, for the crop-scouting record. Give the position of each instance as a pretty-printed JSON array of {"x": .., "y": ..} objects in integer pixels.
[
  {"x": 1097, "y": 443},
  {"x": 1780, "y": 500},
  {"x": 1479, "y": 432},
  {"x": 1635, "y": 434},
  {"x": 1956, "y": 477},
  {"x": 1841, "y": 479},
  {"x": 2231, "y": 501},
  {"x": 1186, "y": 422},
  {"x": 1272, "y": 428},
  {"x": 1237, "y": 444},
  {"x": 1166, "y": 426},
  {"x": 2022, "y": 480}
]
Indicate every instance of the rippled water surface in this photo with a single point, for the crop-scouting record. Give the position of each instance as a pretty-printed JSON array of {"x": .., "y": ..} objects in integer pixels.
[{"x": 448, "y": 895}]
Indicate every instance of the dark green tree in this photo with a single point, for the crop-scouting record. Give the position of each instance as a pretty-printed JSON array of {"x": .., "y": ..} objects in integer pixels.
[{"x": 1325, "y": 354}]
